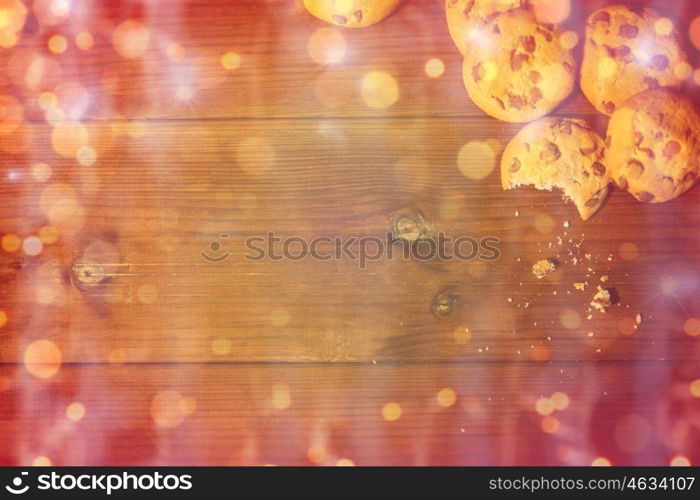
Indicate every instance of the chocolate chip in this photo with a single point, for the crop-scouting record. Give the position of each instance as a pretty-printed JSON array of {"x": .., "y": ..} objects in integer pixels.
[
  {"x": 609, "y": 107},
  {"x": 592, "y": 202},
  {"x": 528, "y": 43},
  {"x": 589, "y": 150},
  {"x": 644, "y": 196},
  {"x": 600, "y": 16},
  {"x": 546, "y": 34},
  {"x": 622, "y": 52},
  {"x": 535, "y": 76},
  {"x": 550, "y": 152},
  {"x": 358, "y": 15},
  {"x": 608, "y": 141},
  {"x": 638, "y": 137},
  {"x": 649, "y": 152},
  {"x": 497, "y": 30},
  {"x": 671, "y": 148},
  {"x": 598, "y": 169},
  {"x": 340, "y": 19},
  {"x": 659, "y": 62},
  {"x": 622, "y": 182},
  {"x": 469, "y": 6},
  {"x": 517, "y": 60},
  {"x": 690, "y": 177},
  {"x": 565, "y": 127},
  {"x": 628, "y": 31},
  {"x": 500, "y": 102},
  {"x": 514, "y": 165},
  {"x": 635, "y": 168},
  {"x": 568, "y": 67}
]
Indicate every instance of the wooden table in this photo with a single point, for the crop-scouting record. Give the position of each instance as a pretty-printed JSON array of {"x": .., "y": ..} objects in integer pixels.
[{"x": 122, "y": 345}]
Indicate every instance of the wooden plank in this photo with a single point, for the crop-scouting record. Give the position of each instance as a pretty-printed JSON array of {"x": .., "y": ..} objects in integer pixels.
[
  {"x": 255, "y": 414},
  {"x": 151, "y": 204},
  {"x": 277, "y": 76}
]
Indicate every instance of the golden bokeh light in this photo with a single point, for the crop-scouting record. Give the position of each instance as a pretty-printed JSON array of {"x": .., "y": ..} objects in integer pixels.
[
  {"x": 551, "y": 11},
  {"x": 41, "y": 172},
  {"x": 48, "y": 235},
  {"x": 462, "y": 335},
  {"x": 281, "y": 397},
  {"x": 230, "y": 61},
  {"x": 52, "y": 12},
  {"x": 682, "y": 70},
  {"x": 691, "y": 327},
  {"x": 570, "y": 319},
  {"x": 11, "y": 242},
  {"x": 550, "y": 424},
  {"x": 11, "y": 114},
  {"x": 130, "y": 39},
  {"x": 46, "y": 294},
  {"x": 559, "y": 400},
  {"x": 280, "y": 317},
  {"x": 327, "y": 46},
  {"x": 176, "y": 52},
  {"x": 168, "y": 409},
  {"x": 13, "y": 15},
  {"x": 544, "y": 223},
  {"x": 694, "y": 32},
  {"x": 42, "y": 358},
  {"x": 568, "y": 40},
  {"x": 607, "y": 67},
  {"x": 391, "y": 412},
  {"x": 476, "y": 159},
  {"x": 446, "y": 397},
  {"x": 60, "y": 204},
  {"x": 379, "y": 90},
  {"x": 629, "y": 251},
  {"x": 316, "y": 454},
  {"x": 434, "y": 67},
  {"x": 42, "y": 461},
  {"x": 86, "y": 156},
  {"x": 84, "y": 40},
  {"x": 694, "y": 388},
  {"x": 57, "y": 44},
  {"x": 75, "y": 412},
  {"x": 3, "y": 318},
  {"x": 147, "y": 294},
  {"x": 680, "y": 461},
  {"x": 68, "y": 138},
  {"x": 627, "y": 325},
  {"x": 600, "y": 462},
  {"x": 345, "y": 462}
]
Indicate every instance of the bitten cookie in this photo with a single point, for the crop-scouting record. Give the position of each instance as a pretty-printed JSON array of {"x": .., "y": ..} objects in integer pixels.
[
  {"x": 626, "y": 52},
  {"x": 559, "y": 153},
  {"x": 652, "y": 145},
  {"x": 351, "y": 13},
  {"x": 464, "y": 17},
  {"x": 516, "y": 70}
]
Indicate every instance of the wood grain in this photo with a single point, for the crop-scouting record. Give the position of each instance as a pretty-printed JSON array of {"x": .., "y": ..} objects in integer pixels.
[{"x": 186, "y": 151}]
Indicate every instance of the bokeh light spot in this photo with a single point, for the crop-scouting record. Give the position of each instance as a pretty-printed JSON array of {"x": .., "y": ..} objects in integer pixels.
[
  {"x": 391, "y": 412},
  {"x": 11, "y": 242},
  {"x": 57, "y": 44},
  {"x": 680, "y": 461},
  {"x": 281, "y": 397},
  {"x": 691, "y": 327},
  {"x": 629, "y": 251},
  {"x": 327, "y": 46},
  {"x": 32, "y": 246},
  {"x": 221, "y": 346},
  {"x": 570, "y": 319},
  {"x": 130, "y": 39},
  {"x": 568, "y": 39},
  {"x": 147, "y": 294},
  {"x": 75, "y": 411},
  {"x": 601, "y": 462},
  {"x": 230, "y": 61},
  {"x": 167, "y": 409},
  {"x": 41, "y": 172},
  {"x": 550, "y": 424},
  {"x": 42, "y": 461},
  {"x": 84, "y": 40},
  {"x": 544, "y": 406},
  {"x": 551, "y": 11},
  {"x": 446, "y": 397},
  {"x": 559, "y": 400},
  {"x": 544, "y": 223},
  {"x": 280, "y": 317},
  {"x": 434, "y": 68},
  {"x": 694, "y": 388},
  {"x": 476, "y": 159},
  {"x": 379, "y": 89},
  {"x": 3, "y": 318},
  {"x": 42, "y": 358}
]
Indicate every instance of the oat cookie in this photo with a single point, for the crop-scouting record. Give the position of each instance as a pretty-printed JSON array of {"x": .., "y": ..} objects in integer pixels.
[
  {"x": 351, "y": 13},
  {"x": 653, "y": 145},
  {"x": 626, "y": 52},
  {"x": 516, "y": 69},
  {"x": 559, "y": 153},
  {"x": 465, "y": 17}
]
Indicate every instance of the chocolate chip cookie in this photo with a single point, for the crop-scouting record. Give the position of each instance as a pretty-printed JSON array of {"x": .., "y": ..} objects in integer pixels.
[
  {"x": 626, "y": 52},
  {"x": 516, "y": 70},
  {"x": 563, "y": 153},
  {"x": 465, "y": 17},
  {"x": 653, "y": 145},
  {"x": 351, "y": 13}
]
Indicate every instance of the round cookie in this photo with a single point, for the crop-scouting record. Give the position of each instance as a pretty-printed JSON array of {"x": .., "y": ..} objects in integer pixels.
[
  {"x": 517, "y": 70},
  {"x": 652, "y": 145},
  {"x": 626, "y": 52},
  {"x": 562, "y": 153},
  {"x": 351, "y": 13},
  {"x": 465, "y": 16}
]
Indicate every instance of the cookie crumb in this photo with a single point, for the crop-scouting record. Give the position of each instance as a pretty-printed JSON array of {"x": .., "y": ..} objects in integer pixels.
[
  {"x": 604, "y": 278},
  {"x": 517, "y": 213},
  {"x": 580, "y": 286},
  {"x": 638, "y": 319},
  {"x": 602, "y": 299},
  {"x": 543, "y": 267},
  {"x": 566, "y": 223}
]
